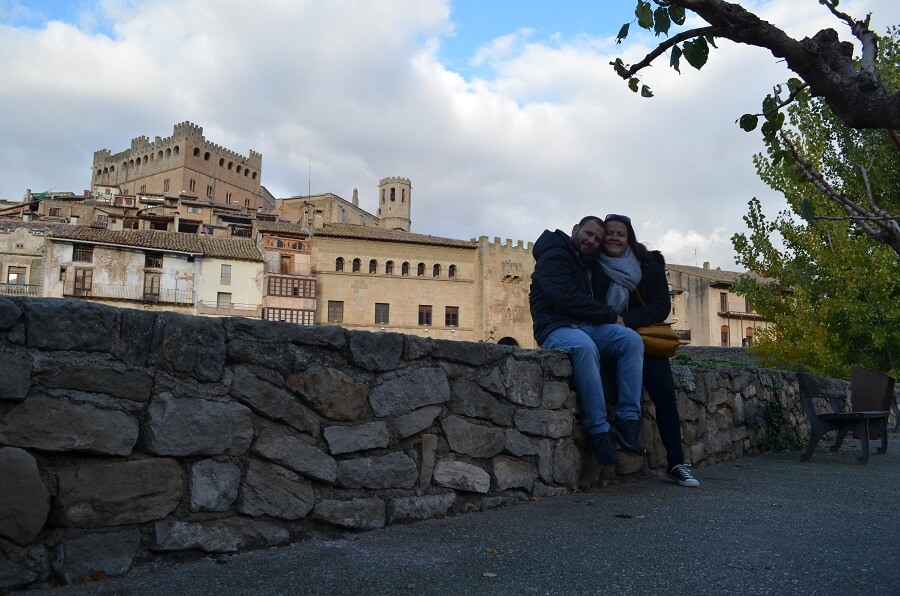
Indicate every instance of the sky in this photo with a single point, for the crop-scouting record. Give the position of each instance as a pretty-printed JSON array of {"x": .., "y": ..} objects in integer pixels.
[{"x": 504, "y": 114}]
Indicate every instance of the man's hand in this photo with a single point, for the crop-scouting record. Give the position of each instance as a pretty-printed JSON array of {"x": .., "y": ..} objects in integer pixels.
[{"x": 620, "y": 320}]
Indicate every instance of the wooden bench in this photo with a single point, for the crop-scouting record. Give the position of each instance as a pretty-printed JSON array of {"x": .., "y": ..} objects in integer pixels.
[{"x": 871, "y": 395}]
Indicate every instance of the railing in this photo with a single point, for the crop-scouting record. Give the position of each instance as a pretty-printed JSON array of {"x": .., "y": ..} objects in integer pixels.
[
  {"x": 737, "y": 310},
  {"x": 20, "y": 290},
  {"x": 120, "y": 292},
  {"x": 234, "y": 309},
  {"x": 683, "y": 334}
]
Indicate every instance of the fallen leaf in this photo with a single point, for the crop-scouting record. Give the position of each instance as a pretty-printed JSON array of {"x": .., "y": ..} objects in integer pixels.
[
  {"x": 492, "y": 551},
  {"x": 489, "y": 575},
  {"x": 629, "y": 516}
]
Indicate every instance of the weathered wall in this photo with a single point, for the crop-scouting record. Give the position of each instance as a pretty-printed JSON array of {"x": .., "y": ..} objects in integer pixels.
[{"x": 128, "y": 434}]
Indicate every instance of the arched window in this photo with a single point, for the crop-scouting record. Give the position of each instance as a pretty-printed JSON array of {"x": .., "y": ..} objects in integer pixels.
[
  {"x": 206, "y": 156},
  {"x": 389, "y": 268},
  {"x": 196, "y": 151},
  {"x": 238, "y": 169},
  {"x": 221, "y": 161},
  {"x": 404, "y": 269},
  {"x": 230, "y": 165},
  {"x": 176, "y": 150},
  {"x": 403, "y": 195},
  {"x": 99, "y": 172},
  {"x": 420, "y": 270},
  {"x": 382, "y": 195},
  {"x": 124, "y": 165},
  {"x": 130, "y": 162},
  {"x": 373, "y": 266},
  {"x": 451, "y": 271},
  {"x": 112, "y": 168},
  {"x": 159, "y": 155},
  {"x": 393, "y": 195},
  {"x": 339, "y": 264},
  {"x": 168, "y": 153},
  {"x": 356, "y": 265},
  {"x": 436, "y": 270},
  {"x": 246, "y": 171},
  {"x": 145, "y": 160},
  {"x": 253, "y": 176}
]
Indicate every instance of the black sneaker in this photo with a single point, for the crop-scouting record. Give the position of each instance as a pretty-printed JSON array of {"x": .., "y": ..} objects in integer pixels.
[
  {"x": 682, "y": 475},
  {"x": 603, "y": 448},
  {"x": 625, "y": 432}
]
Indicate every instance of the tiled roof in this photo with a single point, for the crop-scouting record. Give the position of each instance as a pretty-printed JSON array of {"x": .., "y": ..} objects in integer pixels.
[
  {"x": 8, "y": 225},
  {"x": 281, "y": 227},
  {"x": 714, "y": 275},
  {"x": 371, "y": 233},
  {"x": 233, "y": 248}
]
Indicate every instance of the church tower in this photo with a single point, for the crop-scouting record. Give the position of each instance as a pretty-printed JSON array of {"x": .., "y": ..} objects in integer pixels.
[{"x": 394, "y": 199}]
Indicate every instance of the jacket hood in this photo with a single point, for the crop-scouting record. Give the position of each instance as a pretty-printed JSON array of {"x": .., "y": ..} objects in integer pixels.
[{"x": 557, "y": 240}]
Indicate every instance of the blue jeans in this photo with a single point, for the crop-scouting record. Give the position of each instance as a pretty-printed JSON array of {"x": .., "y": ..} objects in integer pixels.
[{"x": 586, "y": 344}]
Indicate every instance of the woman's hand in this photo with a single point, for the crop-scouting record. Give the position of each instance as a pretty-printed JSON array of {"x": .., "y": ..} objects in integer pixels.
[{"x": 620, "y": 320}]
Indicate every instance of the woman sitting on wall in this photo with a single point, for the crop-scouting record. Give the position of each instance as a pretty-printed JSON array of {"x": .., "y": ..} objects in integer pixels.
[{"x": 638, "y": 291}]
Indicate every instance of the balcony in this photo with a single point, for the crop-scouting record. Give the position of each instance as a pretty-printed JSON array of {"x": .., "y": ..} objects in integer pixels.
[
  {"x": 738, "y": 310},
  {"x": 684, "y": 335},
  {"x": 137, "y": 293},
  {"x": 234, "y": 309},
  {"x": 20, "y": 290}
]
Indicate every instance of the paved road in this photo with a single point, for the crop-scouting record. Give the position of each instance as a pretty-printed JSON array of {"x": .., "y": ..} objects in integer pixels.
[{"x": 762, "y": 525}]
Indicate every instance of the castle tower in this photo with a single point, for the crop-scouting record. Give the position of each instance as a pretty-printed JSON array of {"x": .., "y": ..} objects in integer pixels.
[{"x": 394, "y": 203}]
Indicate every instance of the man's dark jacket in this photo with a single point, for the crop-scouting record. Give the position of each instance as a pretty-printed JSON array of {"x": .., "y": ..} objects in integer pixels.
[{"x": 562, "y": 289}]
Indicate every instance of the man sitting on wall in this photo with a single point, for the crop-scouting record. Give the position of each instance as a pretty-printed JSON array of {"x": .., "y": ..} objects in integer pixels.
[{"x": 567, "y": 316}]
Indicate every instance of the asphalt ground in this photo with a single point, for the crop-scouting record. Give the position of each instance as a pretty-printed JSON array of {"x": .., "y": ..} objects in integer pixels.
[{"x": 767, "y": 524}]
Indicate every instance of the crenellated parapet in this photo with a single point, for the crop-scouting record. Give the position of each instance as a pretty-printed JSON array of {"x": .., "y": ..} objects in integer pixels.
[
  {"x": 395, "y": 180},
  {"x": 508, "y": 248}
]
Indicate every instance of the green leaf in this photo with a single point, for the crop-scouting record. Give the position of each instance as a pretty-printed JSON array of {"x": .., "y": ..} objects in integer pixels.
[
  {"x": 769, "y": 107},
  {"x": 676, "y": 13},
  {"x": 696, "y": 52},
  {"x": 806, "y": 210},
  {"x": 661, "y": 22},
  {"x": 645, "y": 91},
  {"x": 623, "y": 33},
  {"x": 794, "y": 83},
  {"x": 675, "y": 59},
  {"x": 644, "y": 14},
  {"x": 748, "y": 122},
  {"x": 633, "y": 84},
  {"x": 619, "y": 67},
  {"x": 711, "y": 40}
]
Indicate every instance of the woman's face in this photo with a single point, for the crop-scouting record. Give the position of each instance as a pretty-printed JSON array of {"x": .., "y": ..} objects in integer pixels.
[{"x": 616, "y": 240}]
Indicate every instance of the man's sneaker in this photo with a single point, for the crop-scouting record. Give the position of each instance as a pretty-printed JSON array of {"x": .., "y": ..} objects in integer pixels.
[
  {"x": 603, "y": 448},
  {"x": 625, "y": 432},
  {"x": 682, "y": 475}
]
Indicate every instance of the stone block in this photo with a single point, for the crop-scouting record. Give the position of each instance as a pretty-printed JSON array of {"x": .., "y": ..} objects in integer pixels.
[
  {"x": 15, "y": 370},
  {"x": 394, "y": 470},
  {"x": 410, "y": 509},
  {"x": 417, "y": 421},
  {"x": 512, "y": 473},
  {"x": 493, "y": 382},
  {"x": 518, "y": 444},
  {"x": 213, "y": 485},
  {"x": 422, "y": 387},
  {"x": 330, "y": 392},
  {"x": 320, "y": 336},
  {"x": 10, "y": 313},
  {"x": 566, "y": 463},
  {"x": 558, "y": 364},
  {"x": 429, "y": 450},
  {"x": 77, "y": 558},
  {"x": 461, "y": 476},
  {"x": 468, "y": 399},
  {"x": 348, "y": 439},
  {"x": 358, "y": 514},
  {"x": 524, "y": 383},
  {"x": 377, "y": 352},
  {"x": 471, "y": 353},
  {"x": 139, "y": 336},
  {"x": 272, "y": 490},
  {"x": 472, "y": 439},
  {"x": 545, "y": 460},
  {"x": 418, "y": 347},
  {"x": 277, "y": 356},
  {"x": 21, "y": 566},
  {"x": 545, "y": 423},
  {"x": 24, "y": 499},
  {"x": 192, "y": 347},
  {"x": 271, "y": 401},
  {"x": 52, "y": 324},
  {"x": 216, "y": 536},
  {"x": 183, "y": 427},
  {"x": 277, "y": 445},
  {"x": 555, "y": 395},
  {"x": 113, "y": 494},
  {"x": 130, "y": 384},
  {"x": 76, "y": 427}
]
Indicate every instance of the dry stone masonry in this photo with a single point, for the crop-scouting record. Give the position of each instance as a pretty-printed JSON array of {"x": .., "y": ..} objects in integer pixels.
[{"x": 126, "y": 435}]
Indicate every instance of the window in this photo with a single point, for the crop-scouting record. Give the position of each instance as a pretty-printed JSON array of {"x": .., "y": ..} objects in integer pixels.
[
  {"x": 289, "y": 315},
  {"x": 451, "y": 316},
  {"x": 424, "y": 314},
  {"x": 436, "y": 271},
  {"x": 382, "y": 313},
  {"x": 356, "y": 265},
  {"x": 62, "y": 274},
  {"x": 335, "y": 311},
  {"x": 102, "y": 220},
  {"x": 373, "y": 266},
  {"x": 403, "y": 196},
  {"x": 404, "y": 269},
  {"x": 192, "y": 185},
  {"x": 223, "y": 300},
  {"x": 192, "y": 209},
  {"x": 420, "y": 270},
  {"x": 725, "y": 339},
  {"x": 143, "y": 188},
  {"x": 209, "y": 193},
  {"x": 291, "y": 286},
  {"x": 339, "y": 264},
  {"x": 225, "y": 275},
  {"x": 55, "y": 212},
  {"x": 153, "y": 260},
  {"x": 16, "y": 276},
  {"x": 151, "y": 286},
  {"x": 393, "y": 195},
  {"x": 246, "y": 202},
  {"x": 83, "y": 253},
  {"x": 196, "y": 151},
  {"x": 748, "y": 336},
  {"x": 451, "y": 271},
  {"x": 165, "y": 184},
  {"x": 389, "y": 268},
  {"x": 206, "y": 156},
  {"x": 221, "y": 162},
  {"x": 723, "y": 301},
  {"x": 83, "y": 282},
  {"x": 284, "y": 264}
]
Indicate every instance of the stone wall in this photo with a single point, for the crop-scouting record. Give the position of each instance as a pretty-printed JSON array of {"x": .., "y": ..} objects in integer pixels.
[{"x": 128, "y": 435}]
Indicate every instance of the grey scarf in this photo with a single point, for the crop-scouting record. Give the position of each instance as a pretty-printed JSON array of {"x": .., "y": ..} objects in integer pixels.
[{"x": 625, "y": 273}]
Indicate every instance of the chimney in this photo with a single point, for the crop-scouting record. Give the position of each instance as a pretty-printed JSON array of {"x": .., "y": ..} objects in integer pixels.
[{"x": 706, "y": 264}]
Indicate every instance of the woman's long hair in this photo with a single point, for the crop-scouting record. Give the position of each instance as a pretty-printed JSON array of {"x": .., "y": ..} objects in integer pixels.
[{"x": 640, "y": 251}]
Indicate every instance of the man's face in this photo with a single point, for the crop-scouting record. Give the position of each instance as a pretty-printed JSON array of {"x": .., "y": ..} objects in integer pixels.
[{"x": 588, "y": 238}]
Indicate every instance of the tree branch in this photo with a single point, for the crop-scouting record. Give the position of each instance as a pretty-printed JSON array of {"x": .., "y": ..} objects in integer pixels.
[{"x": 661, "y": 48}]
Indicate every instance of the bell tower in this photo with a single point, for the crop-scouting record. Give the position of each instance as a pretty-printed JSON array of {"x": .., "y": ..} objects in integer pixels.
[{"x": 394, "y": 203}]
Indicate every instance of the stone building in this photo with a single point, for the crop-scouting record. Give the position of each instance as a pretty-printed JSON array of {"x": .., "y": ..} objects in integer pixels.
[
  {"x": 184, "y": 163},
  {"x": 21, "y": 258}
]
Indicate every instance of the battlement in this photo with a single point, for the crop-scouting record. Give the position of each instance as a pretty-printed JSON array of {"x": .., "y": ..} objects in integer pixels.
[
  {"x": 140, "y": 142},
  {"x": 395, "y": 179},
  {"x": 507, "y": 247},
  {"x": 254, "y": 159},
  {"x": 187, "y": 129}
]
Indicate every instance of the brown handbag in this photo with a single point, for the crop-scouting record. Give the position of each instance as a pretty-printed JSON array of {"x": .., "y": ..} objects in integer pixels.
[{"x": 659, "y": 338}]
